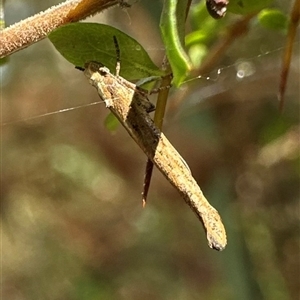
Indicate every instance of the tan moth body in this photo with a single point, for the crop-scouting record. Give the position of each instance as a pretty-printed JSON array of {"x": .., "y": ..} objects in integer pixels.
[{"x": 131, "y": 106}]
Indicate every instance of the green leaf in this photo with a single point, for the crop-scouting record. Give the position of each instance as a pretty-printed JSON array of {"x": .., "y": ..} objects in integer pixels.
[
  {"x": 205, "y": 31},
  {"x": 273, "y": 19},
  {"x": 172, "y": 26},
  {"x": 4, "y": 60},
  {"x": 197, "y": 53},
  {"x": 111, "y": 122},
  {"x": 205, "y": 27},
  {"x": 80, "y": 43},
  {"x": 243, "y": 7}
]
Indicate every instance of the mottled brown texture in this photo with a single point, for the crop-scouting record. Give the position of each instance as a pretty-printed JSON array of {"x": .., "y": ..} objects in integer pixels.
[{"x": 130, "y": 105}]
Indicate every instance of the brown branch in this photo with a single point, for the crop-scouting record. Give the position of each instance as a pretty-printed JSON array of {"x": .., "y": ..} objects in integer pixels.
[
  {"x": 37, "y": 27},
  {"x": 287, "y": 57}
]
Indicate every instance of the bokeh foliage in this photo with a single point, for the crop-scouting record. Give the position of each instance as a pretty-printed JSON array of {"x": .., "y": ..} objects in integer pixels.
[{"x": 72, "y": 222}]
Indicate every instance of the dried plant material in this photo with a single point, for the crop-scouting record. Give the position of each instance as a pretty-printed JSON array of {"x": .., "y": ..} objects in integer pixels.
[{"x": 131, "y": 106}]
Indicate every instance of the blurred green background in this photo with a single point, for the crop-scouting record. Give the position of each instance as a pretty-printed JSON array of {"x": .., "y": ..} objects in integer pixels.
[{"x": 73, "y": 226}]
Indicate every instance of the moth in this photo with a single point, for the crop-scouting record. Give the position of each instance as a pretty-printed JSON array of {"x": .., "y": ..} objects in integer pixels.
[{"x": 130, "y": 104}]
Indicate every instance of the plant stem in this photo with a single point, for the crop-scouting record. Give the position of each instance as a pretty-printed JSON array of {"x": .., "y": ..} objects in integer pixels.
[{"x": 37, "y": 27}]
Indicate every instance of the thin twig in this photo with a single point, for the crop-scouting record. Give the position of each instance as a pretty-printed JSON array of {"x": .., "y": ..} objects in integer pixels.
[
  {"x": 286, "y": 60},
  {"x": 158, "y": 121},
  {"x": 159, "y": 114}
]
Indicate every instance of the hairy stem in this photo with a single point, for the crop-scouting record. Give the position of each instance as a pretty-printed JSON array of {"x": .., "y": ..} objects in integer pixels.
[{"x": 37, "y": 27}]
